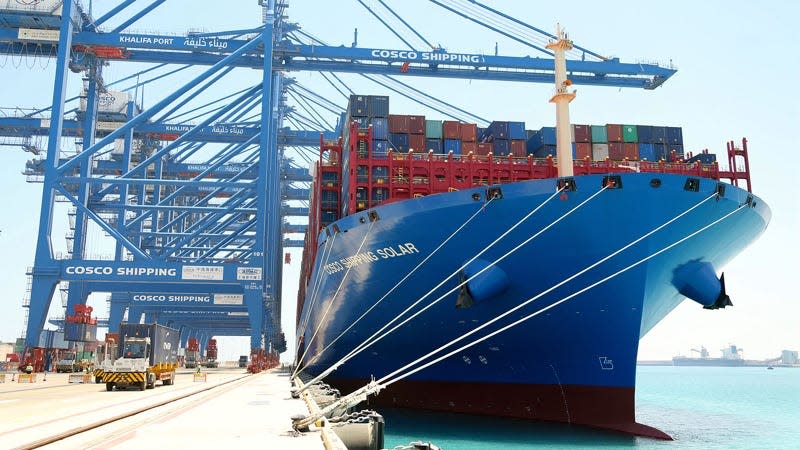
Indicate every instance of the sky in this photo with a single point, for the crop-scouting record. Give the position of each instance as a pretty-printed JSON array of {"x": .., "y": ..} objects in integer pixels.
[{"x": 730, "y": 58}]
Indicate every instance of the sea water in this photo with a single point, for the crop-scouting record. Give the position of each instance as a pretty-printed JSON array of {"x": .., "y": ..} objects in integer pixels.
[{"x": 700, "y": 407}]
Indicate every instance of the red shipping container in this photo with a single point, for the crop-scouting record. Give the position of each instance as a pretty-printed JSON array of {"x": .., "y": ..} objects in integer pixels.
[
  {"x": 614, "y": 134},
  {"x": 451, "y": 129},
  {"x": 469, "y": 132},
  {"x": 469, "y": 147},
  {"x": 615, "y": 151},
  {"x": 398, "y": 123},
  {"x": 483, "y": 148},
  {"x": 582, "y": 133},
  {"x": 518, "y": 148},
  {"x": 416, "y": 125},
  {"x": 583, "y": 150},
  {"x": 631, "y": 151},
  {"x": 416, "y": 142}
]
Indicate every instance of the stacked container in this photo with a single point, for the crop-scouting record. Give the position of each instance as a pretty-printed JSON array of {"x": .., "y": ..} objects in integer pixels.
[
  {"x": 211, "y": 349},
  {"x": 507, "y": 138},
  {"x": 407, "y": 133}
]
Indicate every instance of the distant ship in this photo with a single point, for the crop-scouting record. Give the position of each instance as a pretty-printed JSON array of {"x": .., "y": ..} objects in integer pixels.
[{"x": 731, "y": 357}]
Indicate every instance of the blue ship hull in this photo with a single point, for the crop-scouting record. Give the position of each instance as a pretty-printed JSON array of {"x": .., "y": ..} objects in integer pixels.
[{"x": 573, "y": 362}]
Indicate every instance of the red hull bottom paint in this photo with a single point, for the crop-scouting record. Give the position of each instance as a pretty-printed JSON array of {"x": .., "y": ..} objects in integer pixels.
[{"x": 598, "y": 407}]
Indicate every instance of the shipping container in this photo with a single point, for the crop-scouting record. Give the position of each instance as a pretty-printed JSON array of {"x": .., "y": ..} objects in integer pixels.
[
  {"x": 549, "y": 135},
  {"x": 646, "y": 151},
  {"x": 645, "y": 133},
  {"x": 80, "y": 332},
  {"x": 380, "y": 175},
  {"x": 631, "y": 151},
  {"x": 517, "y": 147},
  {"x": 483, "y": 148},
  {"x": 469, "y": 132},
  {"x": 545, "y": 151},
  {"x": 582, "y": 134},
  {"x": 363, "y": 122},
  {"x": 599, "y": 152},
  {"x": 451, "y": 129},
  {"x": 379, "y": 194},
  {"x": 501, "y": 147},
  {"x": 675, "y": 150},
  {"x": 516, "y": 130},
  {"x": 380, "y": 127},
  {"x": 659, "y": 135},
  {"x": 703, "y": 158},
  {"x": 614, "y": 133},
  {"x": 469, "y": 147},
  {"x": 629, "y": 133},
  {"x": 416, "y": 125},
  {"x": 452, "y": 145},
  {"x": 495, "y": 130},
  {"x": 398, "y": 124},
  {"x": 660, "y": 151},
  {"x": 164, "y": 341},
  {"x": 109, "y": 102},
  {"x": 399, "y": 141},
  {"x": 380, "y": 148},
  {"x": 357, "y": 106},
  {"x": 599, "y": 134},
  {"x": 615, "y": 151},
  {"x": 535, "y": 142},
  {"x": 416, "y": 142},
  {"x": 433, "y": 129},
  {"x": 583, "y": 150},
  {"x": 435, "y": 145},
  {"x": 378, "y": 106},
  {"x": 674, "y": 136},
  {"x": 362, "y": 174}
]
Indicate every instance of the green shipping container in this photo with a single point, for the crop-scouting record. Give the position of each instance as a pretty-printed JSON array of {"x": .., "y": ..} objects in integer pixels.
[
  {"x": 629, "y": 133},
  {"x": 433, "y": 129},
  {"x": 599, "y": 134}
]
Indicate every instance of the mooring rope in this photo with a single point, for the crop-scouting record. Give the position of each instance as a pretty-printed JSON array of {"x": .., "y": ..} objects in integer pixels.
[
  {"x": 332, "y": 301},
  {"x": 554, "y": 287},
  {"x": 373, "y": 339},
  {"x": 392, "y": 289},
  {"x": 376, "y": 386},
  {"x": 326, "y": 253},
  {"x": 384, "y": 381}
]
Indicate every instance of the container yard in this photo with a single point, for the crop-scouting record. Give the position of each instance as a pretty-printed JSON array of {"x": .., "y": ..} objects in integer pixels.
[{"x": 249, "y": 235}]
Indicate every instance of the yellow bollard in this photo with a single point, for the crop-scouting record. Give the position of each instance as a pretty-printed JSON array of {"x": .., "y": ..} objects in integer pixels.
[{"x": 26, "y": 378}]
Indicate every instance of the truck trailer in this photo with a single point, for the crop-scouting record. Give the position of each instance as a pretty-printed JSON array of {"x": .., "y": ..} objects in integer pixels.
[{"x": 146, "y": 353}]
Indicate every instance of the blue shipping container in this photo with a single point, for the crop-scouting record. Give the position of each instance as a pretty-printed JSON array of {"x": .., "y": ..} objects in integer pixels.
[
  {"x": 378, "y": 106},
  {"x": 545, "y": 151},
  {"x": 674, "y": 136},
  {"x": 399, "y": 142},
  {"x": 535, "y": 142},
  {"x": 660, "y": 150},
  {"x": 435, "y": 145},
  {"x": 548, "y": 135},
  {"x": 659, "y": 135},
  {"x": 380, "y": 148},
  {"x": 452, "y": 145},
  {"x": 516, "y": 130},
  {"x": 358, "y": 106},
  {"x": 645, "y": 135},
  {"x": 501, "y": 147},
  {"x": 380, "y": 127},
  {"x": 495, "y": 130},
  {"x": 646, "y": 151}
]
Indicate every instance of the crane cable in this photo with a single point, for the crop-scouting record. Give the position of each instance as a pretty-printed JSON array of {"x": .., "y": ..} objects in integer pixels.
[{"x": 375, "y": 386}]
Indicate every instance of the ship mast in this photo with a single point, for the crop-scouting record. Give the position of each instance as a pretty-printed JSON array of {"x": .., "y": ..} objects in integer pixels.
[{"x": 561, "y": 98}]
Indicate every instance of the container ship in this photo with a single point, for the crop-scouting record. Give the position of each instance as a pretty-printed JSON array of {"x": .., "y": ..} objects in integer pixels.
[{"x": 408, "y": 251}]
